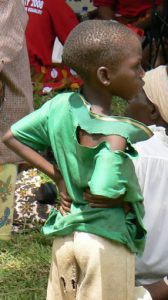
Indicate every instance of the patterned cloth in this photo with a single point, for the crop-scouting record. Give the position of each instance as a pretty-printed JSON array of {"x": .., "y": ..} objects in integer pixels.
[
  {"x": 16, "y": 94},
  {"x": 7, "y": 185},
  {"x": 28, "y": 211},
  {"x": 55, "y": 77}
]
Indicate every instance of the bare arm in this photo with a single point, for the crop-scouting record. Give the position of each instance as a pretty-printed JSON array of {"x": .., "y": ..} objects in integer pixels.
[{"x": 31, "y": 156}]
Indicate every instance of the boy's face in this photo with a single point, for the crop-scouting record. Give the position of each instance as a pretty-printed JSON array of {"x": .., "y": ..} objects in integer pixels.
[{"x": 127, "y": 78}]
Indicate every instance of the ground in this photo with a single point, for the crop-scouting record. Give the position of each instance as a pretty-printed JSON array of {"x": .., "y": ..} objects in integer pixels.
[{"x": 24, "y": 267}]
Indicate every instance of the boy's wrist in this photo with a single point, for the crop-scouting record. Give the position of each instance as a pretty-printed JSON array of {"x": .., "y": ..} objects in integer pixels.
[{"x": 57, "y": 176}]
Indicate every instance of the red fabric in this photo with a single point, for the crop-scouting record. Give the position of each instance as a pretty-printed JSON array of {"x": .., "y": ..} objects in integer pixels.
[
  {"x": 128, "y": 8},
  {"x": 47, "y": 19},
  {"x": 138, "y": 31},
  {"x": 54, "y": 77}
]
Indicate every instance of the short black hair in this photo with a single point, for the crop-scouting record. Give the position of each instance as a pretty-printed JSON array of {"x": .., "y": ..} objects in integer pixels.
[{"x": 93, "y": 43}]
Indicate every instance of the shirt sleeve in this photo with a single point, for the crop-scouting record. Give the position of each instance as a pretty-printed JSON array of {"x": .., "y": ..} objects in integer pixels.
[
  {"x": 114, "y": 176},
  {"x": 63, "y": 18},
  {"x": 98, "y": 3},
  {"x": 32, "y": 130}
]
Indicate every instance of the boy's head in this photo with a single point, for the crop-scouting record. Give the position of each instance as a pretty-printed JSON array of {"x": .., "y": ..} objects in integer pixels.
[
  {"x": 108, "y": 53},
  {"x": 150, "y": 106}
]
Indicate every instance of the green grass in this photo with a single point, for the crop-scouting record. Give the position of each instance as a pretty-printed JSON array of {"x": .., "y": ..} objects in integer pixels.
[
  {"x": 24, "y": 267},
  {"x": 39, "y": 100},
  {"x": 117, "y": 107}
]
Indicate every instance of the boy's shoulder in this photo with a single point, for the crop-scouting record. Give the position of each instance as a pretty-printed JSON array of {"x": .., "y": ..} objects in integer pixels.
[
  {"x": 58, "y": 103},
  {"x": 133, "y": 130},
  {"x": 92, "y": 123},
  {"x": 61, "y": 98}
]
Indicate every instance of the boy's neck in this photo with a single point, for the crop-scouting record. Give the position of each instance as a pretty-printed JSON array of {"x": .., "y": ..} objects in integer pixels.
[{"x": 99, "y": 98}]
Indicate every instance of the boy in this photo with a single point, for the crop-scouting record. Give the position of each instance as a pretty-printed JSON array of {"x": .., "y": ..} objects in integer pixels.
[{"x": 93, "y": 251}]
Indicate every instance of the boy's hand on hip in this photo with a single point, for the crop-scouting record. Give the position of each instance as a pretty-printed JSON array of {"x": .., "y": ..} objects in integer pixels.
[
  {"x": 95, "y": 201},
  {"x": 65, "y": 203},
  {"x": 98, "y": 201}
]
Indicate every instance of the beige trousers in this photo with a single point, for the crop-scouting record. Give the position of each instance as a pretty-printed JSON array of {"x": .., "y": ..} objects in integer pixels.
[
  {"x": 88, "y": 267},
  {"x": 8, "y": 173}
]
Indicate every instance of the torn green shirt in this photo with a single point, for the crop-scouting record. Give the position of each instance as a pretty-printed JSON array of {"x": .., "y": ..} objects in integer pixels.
[{"x": 106, "y": 172}]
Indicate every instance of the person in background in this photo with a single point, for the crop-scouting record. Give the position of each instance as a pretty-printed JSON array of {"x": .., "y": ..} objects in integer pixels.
[
  {"x": 16, "y": 99},
  {"x": 151, "y": 107},
  {"x": 137, "y": 13},
  {"x": 49, "y": 19},
  {"x": 141, "y": 17}
]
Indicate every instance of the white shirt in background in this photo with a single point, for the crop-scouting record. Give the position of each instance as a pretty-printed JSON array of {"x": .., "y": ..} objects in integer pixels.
[{"x": 152, "y": 171}]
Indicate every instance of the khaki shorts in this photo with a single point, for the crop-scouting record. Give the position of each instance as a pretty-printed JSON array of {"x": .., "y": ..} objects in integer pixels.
[{"x": 89, "y": 267}]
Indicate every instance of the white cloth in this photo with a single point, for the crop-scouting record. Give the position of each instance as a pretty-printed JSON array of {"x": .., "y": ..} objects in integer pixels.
[
  {"x": 142, "y": 294},
  {"x": 156, "y": 89},
  {"x": 152, "y": 171},
  {"x": 57, "y": 51}
]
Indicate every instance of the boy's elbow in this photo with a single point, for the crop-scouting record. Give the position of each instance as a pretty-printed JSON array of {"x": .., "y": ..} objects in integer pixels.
[{"x": 7, "y": 137}]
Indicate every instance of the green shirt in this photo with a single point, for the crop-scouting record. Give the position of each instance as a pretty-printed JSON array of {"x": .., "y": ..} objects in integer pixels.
[{"x": 106, "y": 172}]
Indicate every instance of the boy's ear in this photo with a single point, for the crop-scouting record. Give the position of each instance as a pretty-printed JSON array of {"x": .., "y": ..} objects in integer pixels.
[
  {"x": 103, "y": 75},
  {"x": 154, "y": 113}
]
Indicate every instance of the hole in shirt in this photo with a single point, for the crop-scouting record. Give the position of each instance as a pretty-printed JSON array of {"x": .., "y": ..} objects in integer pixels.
[
  {"x": 114, "y": 141},
  {"x": 88, "y": 140}
]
